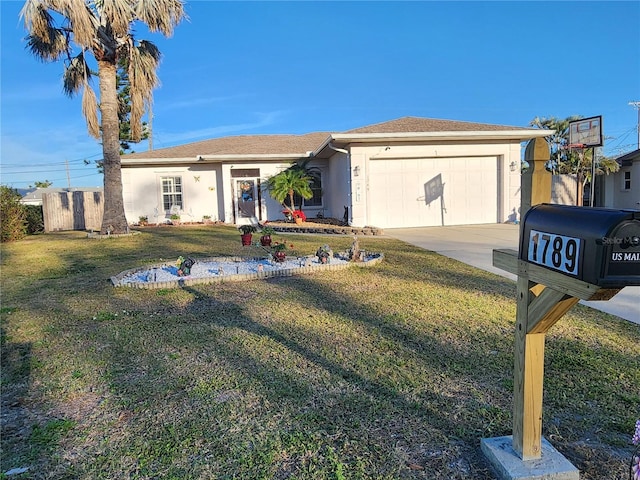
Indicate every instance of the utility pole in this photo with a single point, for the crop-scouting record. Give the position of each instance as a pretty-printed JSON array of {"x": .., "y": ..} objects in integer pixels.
[
  {"x": 150, "y": 126},
  {"x": 66, "y": 162},
  {"x": 636, "y": 105}
]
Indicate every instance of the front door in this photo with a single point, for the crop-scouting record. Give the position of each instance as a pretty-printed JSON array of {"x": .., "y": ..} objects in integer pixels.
[{"x": 246, "y": 199}]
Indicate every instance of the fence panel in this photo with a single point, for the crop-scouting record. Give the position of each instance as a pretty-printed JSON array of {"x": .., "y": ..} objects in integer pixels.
[
  {"x": 72, "y": 211},
  {"x": 564, "y": 189}
]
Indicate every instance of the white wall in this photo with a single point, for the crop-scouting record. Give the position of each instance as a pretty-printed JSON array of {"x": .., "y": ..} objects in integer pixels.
[
  {"x": 507, "y": 171},
  {"x": 615, "y": 194},
  {"x": 142, "y": 192},
  {"x": 340, "y": 187}
]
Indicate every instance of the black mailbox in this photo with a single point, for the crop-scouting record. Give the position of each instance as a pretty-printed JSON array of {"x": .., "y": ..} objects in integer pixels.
[{"x": 600, "y": 246}]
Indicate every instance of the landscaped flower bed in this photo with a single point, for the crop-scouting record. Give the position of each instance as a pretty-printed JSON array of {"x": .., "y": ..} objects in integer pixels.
[{"x": 231, "y": 269}]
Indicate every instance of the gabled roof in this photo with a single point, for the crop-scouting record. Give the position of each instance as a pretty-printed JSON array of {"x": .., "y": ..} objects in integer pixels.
[
  {"x": 285, "y": 145},
  {"x": 291, "y": 147},
  {"x": 35, "y": 196},
  {"x": 418, "y": 124}
]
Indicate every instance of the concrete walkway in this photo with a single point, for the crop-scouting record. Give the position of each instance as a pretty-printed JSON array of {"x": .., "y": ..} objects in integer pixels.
[{"x": 474, "y": 245}]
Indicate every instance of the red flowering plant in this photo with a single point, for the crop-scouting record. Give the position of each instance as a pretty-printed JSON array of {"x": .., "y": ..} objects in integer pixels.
[
  {"x": 299, "y": 214},
  {"x": 281, "y": 246},
  {"x": 291, "y": 215}
]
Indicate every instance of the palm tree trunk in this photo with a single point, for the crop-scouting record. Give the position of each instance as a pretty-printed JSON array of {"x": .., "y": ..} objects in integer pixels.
[
  {"x": 580, "y": 180},
  {"x": 292, "y": 206},
  {"x": 114, "y": 219}
]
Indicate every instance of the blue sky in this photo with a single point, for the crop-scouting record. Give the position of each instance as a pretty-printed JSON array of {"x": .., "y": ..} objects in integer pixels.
[{"x": 241, "y": 68}]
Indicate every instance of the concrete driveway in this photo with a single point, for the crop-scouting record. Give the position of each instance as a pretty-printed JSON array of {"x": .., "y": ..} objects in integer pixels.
[{"x": 474, "y": 245}]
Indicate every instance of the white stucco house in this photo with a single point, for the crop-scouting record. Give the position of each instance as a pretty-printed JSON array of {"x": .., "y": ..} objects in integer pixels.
[{"x": 407, "y": 172}]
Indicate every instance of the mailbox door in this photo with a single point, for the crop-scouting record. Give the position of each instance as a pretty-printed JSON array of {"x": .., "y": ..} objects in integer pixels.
[{"x": 622, "y": 262}]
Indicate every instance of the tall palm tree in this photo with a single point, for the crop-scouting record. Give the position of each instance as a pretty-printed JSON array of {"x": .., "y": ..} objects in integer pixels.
[{"x": 103, "y": 29}]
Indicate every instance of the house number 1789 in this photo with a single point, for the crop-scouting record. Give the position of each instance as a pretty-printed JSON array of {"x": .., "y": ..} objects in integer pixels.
[{"x": 554, "y": 251}]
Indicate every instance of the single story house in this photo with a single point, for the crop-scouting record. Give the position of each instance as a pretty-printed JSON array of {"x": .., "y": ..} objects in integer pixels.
[
  {"x": 408, "y": 172},
  {"x": 622, "y": 189}
]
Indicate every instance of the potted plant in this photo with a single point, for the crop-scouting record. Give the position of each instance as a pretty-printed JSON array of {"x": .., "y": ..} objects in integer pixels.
[
  {"x": 206, "y": 219},
  {"x": 279, "y": 251},
  {"x": 265, "y": 239},
  {"x": 143, "y": 220},
  {"x": 245, "y": 236},
  {"x": 175, "y": 218},
  {"x": 299, "y": 217}
]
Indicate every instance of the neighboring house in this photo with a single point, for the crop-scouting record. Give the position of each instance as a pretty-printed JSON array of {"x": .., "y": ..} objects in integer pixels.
[
  {"x": 407, "y": 172},
  {"x": 622, "y": 189},
  {"x": 34, "y": 197}
]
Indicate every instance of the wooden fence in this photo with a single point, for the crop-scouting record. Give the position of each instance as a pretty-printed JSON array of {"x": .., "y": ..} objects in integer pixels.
[
  {"x": 564, "y": 189},
  {"x": 72, "y": 211}
]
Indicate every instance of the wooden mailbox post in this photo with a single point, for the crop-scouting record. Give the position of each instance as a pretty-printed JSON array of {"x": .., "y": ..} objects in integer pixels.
[{"x": 543, "y": 297}]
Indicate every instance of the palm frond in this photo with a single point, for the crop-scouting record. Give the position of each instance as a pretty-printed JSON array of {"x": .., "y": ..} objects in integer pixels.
[
  {"x": 118, "y": 14},
  {"x": 143, "y": 62},
  {"x": 90, "y": 110},
  {"x": 48, "y": 49},
  {"x": 76, "y": 75},
  {"x": 82, "y": 21},
  {"x": 160, "y": 15},
  {"x": 37, "y": 19}
]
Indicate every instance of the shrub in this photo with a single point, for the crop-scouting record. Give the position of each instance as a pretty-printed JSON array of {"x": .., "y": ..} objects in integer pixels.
[
  {"x": 12, "y": 215},
  {"x": 34, "y": 219}
]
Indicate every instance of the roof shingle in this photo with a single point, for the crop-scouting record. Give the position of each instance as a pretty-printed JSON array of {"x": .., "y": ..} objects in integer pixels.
[
  {"x": 418, "y": 124},
  {"x": 300, "y": 144}
]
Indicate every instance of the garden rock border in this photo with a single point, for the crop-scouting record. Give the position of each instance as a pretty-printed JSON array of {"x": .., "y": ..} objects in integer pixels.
[{"x": 373, "y": 259}]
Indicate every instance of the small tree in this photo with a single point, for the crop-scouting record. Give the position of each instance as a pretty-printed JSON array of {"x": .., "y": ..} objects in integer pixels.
[
  {"x": 288, "y": 183},
  {"x": 579, "y": 164},
  {"x": 45, "y": 184}
]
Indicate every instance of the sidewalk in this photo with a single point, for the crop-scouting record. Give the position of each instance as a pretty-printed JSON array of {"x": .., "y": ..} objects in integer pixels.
[{"x": 474, "y": 245}]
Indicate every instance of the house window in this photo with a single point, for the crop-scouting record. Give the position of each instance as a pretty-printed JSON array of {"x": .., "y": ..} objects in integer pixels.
[
  {"x": 627, "y": 180},
  {"x": 172, "y": 193},
  {"x": 316, "y": 200}
]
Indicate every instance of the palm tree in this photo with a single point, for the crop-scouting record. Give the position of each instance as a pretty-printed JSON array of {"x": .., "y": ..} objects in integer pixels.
[
  {"x": 571, "y": 161},
  {"x": 103, "y": 29},
  {"x": 559, "y": 140},
  {"x": 286, "y": 184}
]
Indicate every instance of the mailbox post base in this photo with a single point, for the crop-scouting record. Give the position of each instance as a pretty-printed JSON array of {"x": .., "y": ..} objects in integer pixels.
[{"x": 552, "y": 465}]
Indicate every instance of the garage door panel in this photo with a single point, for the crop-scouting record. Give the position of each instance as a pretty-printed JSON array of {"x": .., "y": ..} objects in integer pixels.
[{"x": 397, "y": 196}]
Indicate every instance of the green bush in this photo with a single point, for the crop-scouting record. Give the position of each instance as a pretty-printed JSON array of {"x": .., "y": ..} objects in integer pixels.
[
  {"x": 34, "y": 218},
  {"x": 12, "y": 215}
]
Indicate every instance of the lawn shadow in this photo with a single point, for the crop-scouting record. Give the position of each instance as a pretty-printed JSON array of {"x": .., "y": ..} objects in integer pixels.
[{"x": 15, "y": 426}]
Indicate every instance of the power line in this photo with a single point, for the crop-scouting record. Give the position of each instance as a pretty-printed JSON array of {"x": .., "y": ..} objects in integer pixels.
[
  {"x": 44, "y": 171},
  {"x": 48, "y": 164},
  {"x": 62, "y": 180}
]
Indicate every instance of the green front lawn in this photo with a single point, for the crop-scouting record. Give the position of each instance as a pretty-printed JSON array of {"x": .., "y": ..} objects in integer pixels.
[{"x": 393, "y": 371}]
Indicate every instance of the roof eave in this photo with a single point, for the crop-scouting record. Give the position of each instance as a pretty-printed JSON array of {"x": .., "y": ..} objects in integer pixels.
[
  {"x": 253, "y": 157},
  {"x": 343, "y": 139},
  {"x": 215, "y": 159},
  {"x": 524, "y": 134}
]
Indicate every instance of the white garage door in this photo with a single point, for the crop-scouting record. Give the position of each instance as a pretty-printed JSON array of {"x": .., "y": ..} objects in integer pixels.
[{"x": 433, "y": 192}]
